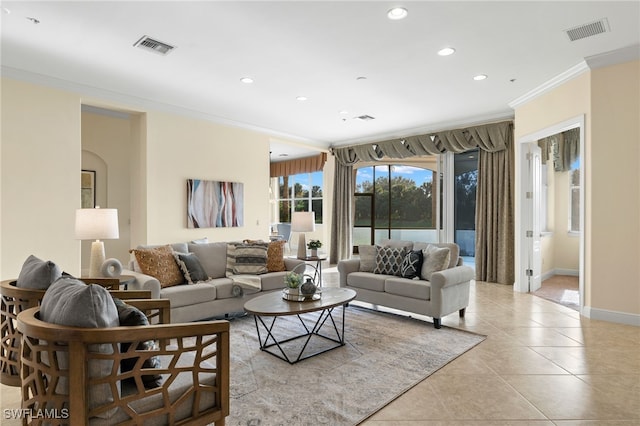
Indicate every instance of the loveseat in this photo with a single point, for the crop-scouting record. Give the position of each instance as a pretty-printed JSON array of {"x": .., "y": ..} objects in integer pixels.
[
  {"x": 391, "y": 275},
  {"x": 230, "y": 277}
]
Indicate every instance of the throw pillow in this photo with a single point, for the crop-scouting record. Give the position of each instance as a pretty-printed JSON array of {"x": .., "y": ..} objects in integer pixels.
[
  {"x": 251, "y": 259},
  {"x": 131, "y": 316},
  {"x": 38, "y": 274},
  {"x": 388, "y": 260},
  {"x": 160, "y": 264},
  {"x": 434, "y": 259},
  {"x": 71, "y": 302},
  {"x": 191, "y": 267},
  {"x": 411, "y": 264},
  {"x": 367, "y": 258},
  {"x": 275, "y": 256}
]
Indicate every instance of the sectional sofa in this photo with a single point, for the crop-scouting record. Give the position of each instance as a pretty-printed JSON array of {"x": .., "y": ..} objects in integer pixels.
[{"x": 221, "y": 293}]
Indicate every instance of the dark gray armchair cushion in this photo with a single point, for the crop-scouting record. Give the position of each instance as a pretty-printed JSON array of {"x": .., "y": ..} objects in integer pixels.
[{"x": 38, "y": 274}]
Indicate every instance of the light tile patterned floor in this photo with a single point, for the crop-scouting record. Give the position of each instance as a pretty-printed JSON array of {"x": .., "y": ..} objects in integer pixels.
[{"x": 541, "y": 364}]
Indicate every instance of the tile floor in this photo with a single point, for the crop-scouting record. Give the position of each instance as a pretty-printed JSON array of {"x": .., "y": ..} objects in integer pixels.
[{"x": 541, "y": 364}]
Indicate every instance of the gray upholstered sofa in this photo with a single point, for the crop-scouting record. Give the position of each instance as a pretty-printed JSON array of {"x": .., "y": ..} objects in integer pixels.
[
  {"x": 214, "y": 297},
  {"x": 446, "y": 291}
]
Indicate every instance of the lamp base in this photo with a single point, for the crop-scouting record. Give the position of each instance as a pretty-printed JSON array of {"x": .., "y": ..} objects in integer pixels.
[
  {"x": 302, "y": 246},
  {"x": 97, "y": 259}
]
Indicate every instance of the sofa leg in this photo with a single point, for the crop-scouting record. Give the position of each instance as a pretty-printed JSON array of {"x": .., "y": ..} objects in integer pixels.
[
  {"x": 461, "y": 312},
  {"x": 436, "y": 323}
]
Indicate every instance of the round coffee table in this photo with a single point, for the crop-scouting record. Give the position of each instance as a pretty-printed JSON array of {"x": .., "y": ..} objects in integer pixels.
[{"x": 274, "y": 306}]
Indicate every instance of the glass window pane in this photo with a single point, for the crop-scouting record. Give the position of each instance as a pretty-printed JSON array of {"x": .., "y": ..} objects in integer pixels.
[
  {"x": 411, "y": 202},
  {"x": 301, "y": 185},
  {"x": 363, "y": 210},
  {"x": 575, "y": 210},
  {"x": 301, "y": 205},
  {"x": 364, "y": 180},
  {"x": 284, "y": 187},
  {"x": 316, "y": 184},
  {"x": 381, "y": 197},
  {"x": 316, "y": 206},
  {"x": 284, "y": 207}
]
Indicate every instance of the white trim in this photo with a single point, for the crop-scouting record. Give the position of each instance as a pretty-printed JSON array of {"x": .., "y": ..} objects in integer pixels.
[
  {"x": 560, "y": 271},
  {"x": 547, "y": 86},
  {"x": 618, "y": 56},
  {"x": 138, "y": 104},
  {"x": 611, "y": 316}
]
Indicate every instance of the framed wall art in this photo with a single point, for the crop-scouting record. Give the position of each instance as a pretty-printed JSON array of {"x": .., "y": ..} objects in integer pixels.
[
  {"x": 214, "y": 204},
  {"x": 88, "y": 188}
]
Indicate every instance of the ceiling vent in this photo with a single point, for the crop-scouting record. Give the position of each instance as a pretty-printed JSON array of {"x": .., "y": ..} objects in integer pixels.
[
  {"x": 588, "y": 30},
  {"x": 365, "y": 117},
  {"x": 153, "y": 45}
]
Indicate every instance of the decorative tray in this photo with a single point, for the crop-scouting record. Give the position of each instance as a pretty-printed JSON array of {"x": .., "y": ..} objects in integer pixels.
[{"x": 293, "y": 295}]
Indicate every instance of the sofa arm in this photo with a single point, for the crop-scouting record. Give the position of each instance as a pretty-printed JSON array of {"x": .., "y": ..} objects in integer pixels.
[
  {"x": 143, "y": 282},
  {"x": 451, "y": 276},
  {"x": 291, "y": 263},
  {"x": 345, "y": 267}
]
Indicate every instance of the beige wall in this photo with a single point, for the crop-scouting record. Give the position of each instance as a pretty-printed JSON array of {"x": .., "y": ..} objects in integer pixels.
[
  {"x": 608, "y": 99},
  {"x": 42, "y": 158},
  {"x": 614, "y": 179},
  {"x": 40, "y": 176}
]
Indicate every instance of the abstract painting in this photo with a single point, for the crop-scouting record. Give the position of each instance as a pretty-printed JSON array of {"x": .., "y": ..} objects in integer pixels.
[{"x": 213, "y": 204}]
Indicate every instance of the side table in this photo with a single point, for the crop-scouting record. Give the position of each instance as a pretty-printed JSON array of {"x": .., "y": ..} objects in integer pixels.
[
  {"x": 317, "y": 268},
  {"x": 111, "y": 283}
]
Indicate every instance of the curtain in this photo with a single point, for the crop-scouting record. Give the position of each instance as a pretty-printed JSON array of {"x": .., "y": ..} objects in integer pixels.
[
  {"x": 494, "y": 199},
  {"x": 563, "y": 148},
  {"x": 495, "y": 238},
  {"x": 298, "y": 165},
  {"x": 343, "y": 200}
]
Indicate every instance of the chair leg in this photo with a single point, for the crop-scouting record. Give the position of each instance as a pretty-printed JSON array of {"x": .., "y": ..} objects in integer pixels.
[
  {"x": 437, "y": 323},
  {"x": 461, "y": 312}
]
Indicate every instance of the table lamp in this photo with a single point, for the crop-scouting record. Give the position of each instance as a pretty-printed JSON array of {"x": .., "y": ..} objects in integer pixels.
[
  {"x": 303, "y": 222},
  {"x": 98, "y": 224}
]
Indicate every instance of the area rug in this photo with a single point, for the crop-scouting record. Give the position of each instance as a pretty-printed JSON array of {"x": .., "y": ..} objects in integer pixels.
[{"x": 384, "y": 356}]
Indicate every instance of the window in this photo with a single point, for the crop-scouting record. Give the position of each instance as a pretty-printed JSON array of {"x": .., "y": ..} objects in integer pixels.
[
  {"x": 298, "y": 193},
  {"x": 393, "y": 201},
  {"x": 574, "y": 197}
]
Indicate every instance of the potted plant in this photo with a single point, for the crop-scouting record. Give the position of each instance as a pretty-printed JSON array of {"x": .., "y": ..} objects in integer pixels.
[
  {"x": 293, "y": 279},
  {"x": 314, "y": 245}
]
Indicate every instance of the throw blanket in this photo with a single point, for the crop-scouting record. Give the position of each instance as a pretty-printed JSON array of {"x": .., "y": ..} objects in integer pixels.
[{"x": 245, "y": 284}]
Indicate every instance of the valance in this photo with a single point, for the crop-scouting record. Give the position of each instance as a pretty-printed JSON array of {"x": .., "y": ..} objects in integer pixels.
[
  {"x": 492, "y": 137},
  {"x": 298, "y": 165}
]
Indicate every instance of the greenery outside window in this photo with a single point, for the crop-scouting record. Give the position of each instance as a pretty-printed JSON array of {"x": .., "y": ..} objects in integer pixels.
[{"x": 300, "y": 193}]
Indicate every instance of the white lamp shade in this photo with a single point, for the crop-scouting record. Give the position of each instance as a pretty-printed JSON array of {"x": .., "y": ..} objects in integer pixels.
[
  {"x": 97, "y": 224},
  {"x": 303, "y": 222}
]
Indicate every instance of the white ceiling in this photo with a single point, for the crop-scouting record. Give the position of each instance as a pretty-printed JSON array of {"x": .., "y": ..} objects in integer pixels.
[{"x": 316, "y": 49}]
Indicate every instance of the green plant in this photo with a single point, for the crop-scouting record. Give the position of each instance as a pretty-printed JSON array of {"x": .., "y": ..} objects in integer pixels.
[
  {"x": 314, "y": 244},
  {"x": 293, "y": 279}
]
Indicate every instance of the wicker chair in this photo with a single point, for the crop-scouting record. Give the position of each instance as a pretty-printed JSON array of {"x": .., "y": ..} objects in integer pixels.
[
  {"x": 14, "y": 300},
  {"x": 195, "y": 371}
]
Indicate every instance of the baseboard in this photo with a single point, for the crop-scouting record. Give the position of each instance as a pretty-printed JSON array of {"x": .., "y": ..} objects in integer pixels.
[
  {"x": 560, "y": 271},
  {"x": 611, "y": 316}
]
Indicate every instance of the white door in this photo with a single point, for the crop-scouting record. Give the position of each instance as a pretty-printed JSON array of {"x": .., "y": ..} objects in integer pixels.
[{"x": 532, "y": 247}]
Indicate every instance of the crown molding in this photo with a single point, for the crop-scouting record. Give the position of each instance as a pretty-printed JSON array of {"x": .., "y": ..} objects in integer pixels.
[
  {"x": 618, "y": 56},
  {"x": 555, "y": 82},
  {"x": 100, "y": 98}
]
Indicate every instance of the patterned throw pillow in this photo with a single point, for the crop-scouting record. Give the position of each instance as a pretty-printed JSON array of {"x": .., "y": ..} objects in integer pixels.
[
  {"x": 160, "y": 264},
  {"x": 434, "y": 259},
  {"x": 275, "y": 256},
  {"x": 388, "y": 260},
  {"x": 411, "y": 264},
  {"x": 191, "y": 267},
  {"x": 250, "y": 259}
]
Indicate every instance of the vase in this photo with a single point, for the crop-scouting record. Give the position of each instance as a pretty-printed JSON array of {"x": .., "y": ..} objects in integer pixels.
[
  {"x": 314, "y": 252},
  {"x": 308, "y": 288}
]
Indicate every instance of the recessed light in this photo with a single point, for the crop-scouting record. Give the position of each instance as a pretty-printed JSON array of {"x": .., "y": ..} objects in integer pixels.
[
  {"x": 344, "y": 112},
  {"x": 33, "y": 20},
  {"x": 246, "y": 80},
  {"x": 283, "y": 155},
  {"x": 397, "y": 13},
  {"x": 480, "y": 77},
  {"x": 301, "y": 98},
  {"x": 446, "y": 51},
  {"x": 361, "y": 78}
]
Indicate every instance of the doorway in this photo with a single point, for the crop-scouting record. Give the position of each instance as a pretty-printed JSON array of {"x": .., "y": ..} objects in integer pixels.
[{"x": 562, "y": 224}]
